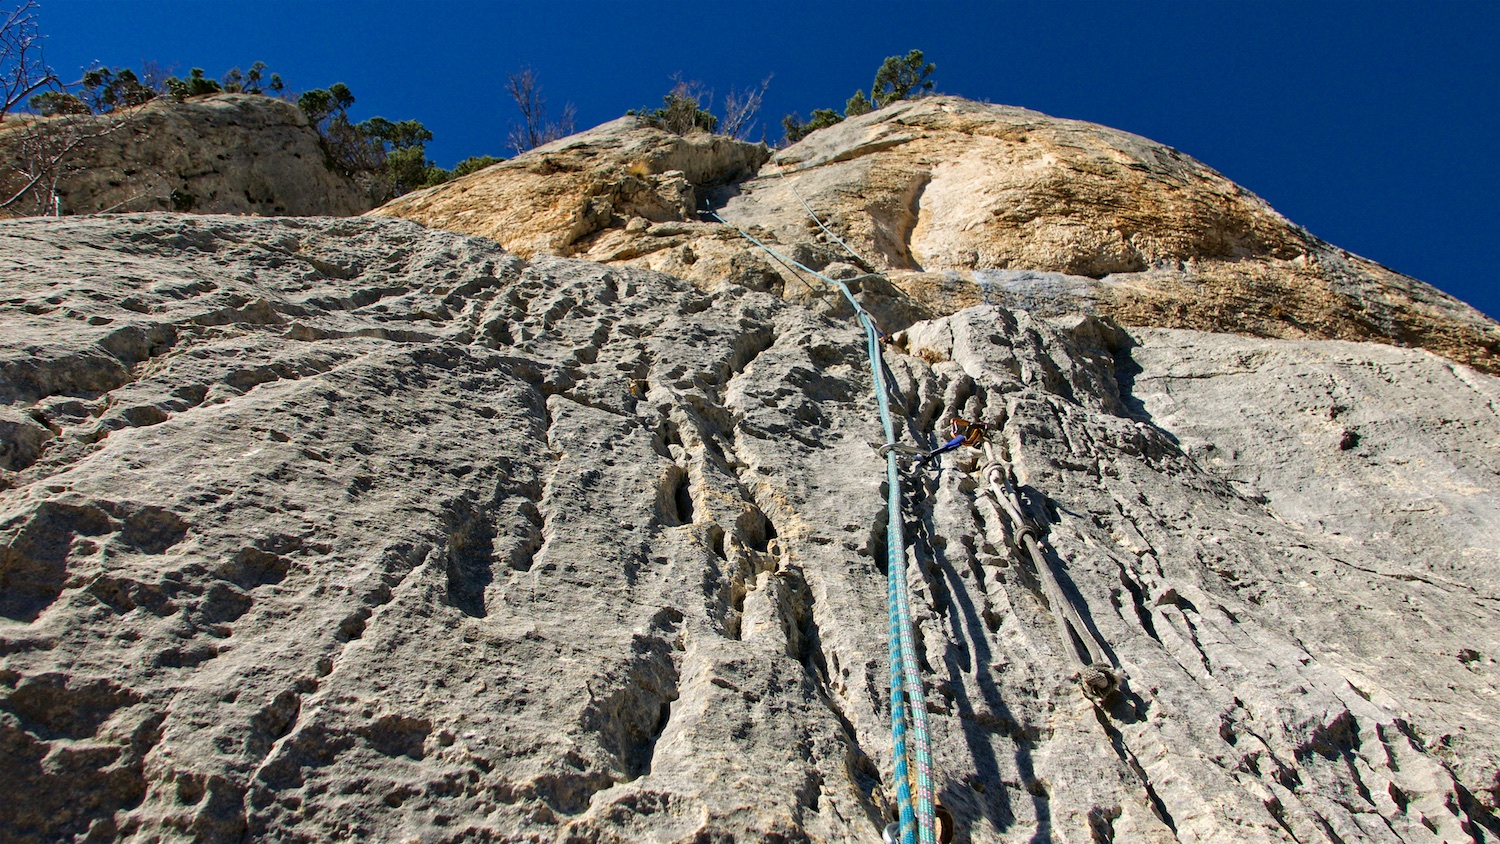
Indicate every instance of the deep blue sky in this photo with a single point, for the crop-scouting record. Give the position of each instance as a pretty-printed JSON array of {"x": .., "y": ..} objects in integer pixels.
[{"x": 1375, "y": 124}]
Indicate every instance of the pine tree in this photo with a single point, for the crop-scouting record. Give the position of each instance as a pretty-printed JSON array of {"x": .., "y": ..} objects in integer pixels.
[
  {"x": 899, "y": 77},
  {"x": 857, "y": 105}
]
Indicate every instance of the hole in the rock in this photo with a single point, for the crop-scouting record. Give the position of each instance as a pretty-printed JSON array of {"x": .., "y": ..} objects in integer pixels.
[
  {"x": 683, "y": 499},
  {"x": 875, "y": 546}
]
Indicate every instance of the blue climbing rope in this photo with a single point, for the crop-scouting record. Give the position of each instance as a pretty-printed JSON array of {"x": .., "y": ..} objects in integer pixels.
[{"x": 908, "y": 703}]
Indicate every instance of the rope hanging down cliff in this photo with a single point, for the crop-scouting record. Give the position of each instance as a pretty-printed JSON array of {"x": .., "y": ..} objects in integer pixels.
[
  {"x": 907, "y": 699},
  {"x": 1097, "y": 675}
]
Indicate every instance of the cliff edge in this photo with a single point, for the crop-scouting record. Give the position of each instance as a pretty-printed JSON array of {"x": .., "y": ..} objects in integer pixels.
[{"x": 220, "y": 154}]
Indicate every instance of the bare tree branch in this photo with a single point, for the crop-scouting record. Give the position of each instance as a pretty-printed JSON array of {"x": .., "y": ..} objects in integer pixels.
[
  {"x": 563, "y": 127},
  {"x": 534, "y": 130},
  {"x": 154, "y": 75},
  {"x": 23, "y": 71},
  {"x": 523, "y": 89},
  {"x": 141, "y": 194},
  {"x": 38, "y": 150},
  {"x": 42, "y": 148},
  {"x": 740, "y": 108}
]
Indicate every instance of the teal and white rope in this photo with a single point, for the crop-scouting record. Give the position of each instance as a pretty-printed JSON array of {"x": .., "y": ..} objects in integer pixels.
[
  {"x": 907, "y": 699},
  {"x": 781, "y": 171}
]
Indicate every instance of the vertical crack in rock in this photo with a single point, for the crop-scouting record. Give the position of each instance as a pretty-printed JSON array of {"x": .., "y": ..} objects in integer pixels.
[
  {"x": 674, "y": 501},
  {"x": 505, "y": 531},
  {"x": 799, "y": 611},
  {"x": 1102, "y": 824},
  {"x": 875, "y": 544},
  {"x": 1117, "y": 741},
  {"x": 1477, "y": 813},
  {"x": 969, "y": 660},
  {"x": 754, "y": 561},
  {"x": 1138, "y": 602},
  {"x": 893, "y": 223},
  {"x": 747, "y": 347},
  {"x": 526, "y": 534},
  {"x": 470, "y": 559},
  {"x": 631, "y": 718}
]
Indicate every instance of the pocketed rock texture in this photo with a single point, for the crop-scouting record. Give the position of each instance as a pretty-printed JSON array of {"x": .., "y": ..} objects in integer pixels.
[
  {"x": 222, "y": 154},
  {"x": 959, "y": 203},
  {"x": 355, "y": 530}
]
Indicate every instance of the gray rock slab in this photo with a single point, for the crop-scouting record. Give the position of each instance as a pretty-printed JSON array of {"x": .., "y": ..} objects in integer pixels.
[{"x": 350, "y": 529}]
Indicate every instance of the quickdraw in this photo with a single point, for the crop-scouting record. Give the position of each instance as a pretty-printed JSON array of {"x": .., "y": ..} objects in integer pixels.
[
  {"x": 964, "y": 433},
  {"x": 961, "y": 431}
]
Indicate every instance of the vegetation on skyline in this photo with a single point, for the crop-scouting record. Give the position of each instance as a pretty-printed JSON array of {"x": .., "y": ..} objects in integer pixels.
[
  {"x": 535, "y": 129},
  {"x": 687, "y": 108},
  {"x": 898, "y": 78},
  {"x": 104, "y": 89},
  {"x": 392, "y": 153},
  {"x": 389, "y": 155}
]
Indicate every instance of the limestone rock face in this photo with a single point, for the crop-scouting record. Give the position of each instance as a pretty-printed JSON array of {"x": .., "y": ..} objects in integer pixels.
[
  {"x": 960, "y": 203},
  {"x": 562, "y": 197},
  {"x": 224, "y": 154},
  {"x": 355, "y": 530}
]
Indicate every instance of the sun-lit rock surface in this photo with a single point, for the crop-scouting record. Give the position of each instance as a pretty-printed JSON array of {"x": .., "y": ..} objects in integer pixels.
[{"x": 959, "y": 203}]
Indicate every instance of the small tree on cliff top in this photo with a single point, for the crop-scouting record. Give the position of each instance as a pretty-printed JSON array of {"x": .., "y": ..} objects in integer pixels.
[
  {"x": 393, "y": 151},
  {"x": 682, "y": 109},
  {"x": 104, "y": 89},
  {"x": 535, "y": 129},
  {"x": 253, "y": 81},
  {"x": 901, "y": 79},
  {"x": 898, "y": 78},
  {"x": 195, "y": 85}
]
